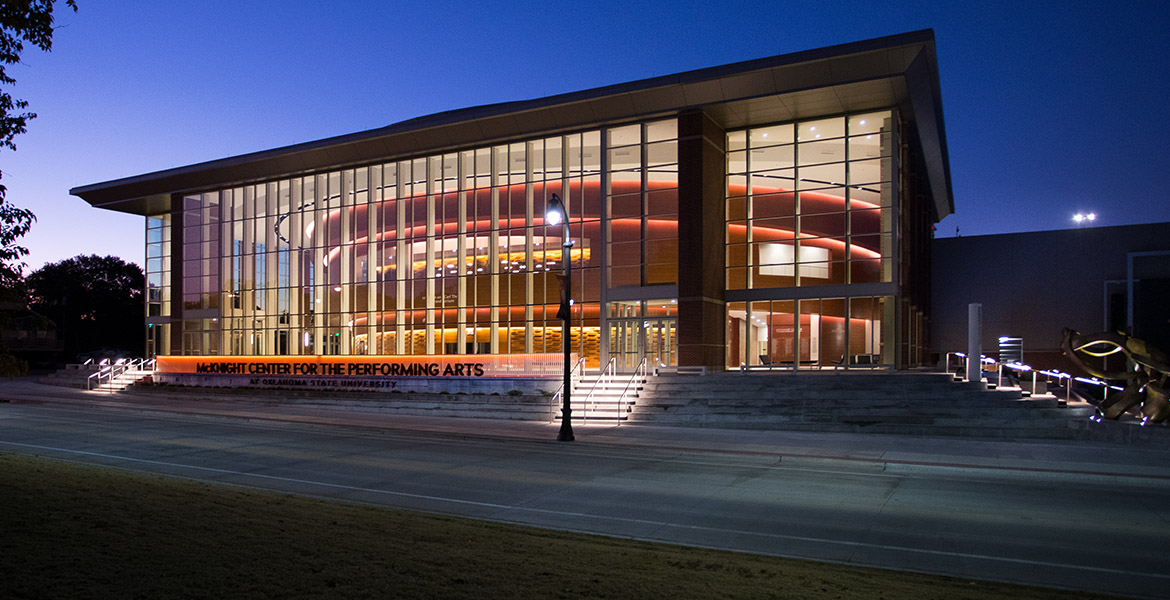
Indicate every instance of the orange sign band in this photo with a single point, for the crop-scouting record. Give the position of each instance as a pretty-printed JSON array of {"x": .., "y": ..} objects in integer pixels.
[{"x": 437, "y": 366}]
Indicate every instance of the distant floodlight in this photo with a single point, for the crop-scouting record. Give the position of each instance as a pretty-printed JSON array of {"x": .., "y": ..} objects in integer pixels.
[
  {"x": 1091, "y": 216},
  {"x": 1078, "y": 217}
]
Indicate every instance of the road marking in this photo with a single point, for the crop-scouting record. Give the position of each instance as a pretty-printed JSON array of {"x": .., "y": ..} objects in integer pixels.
[{"x": 558, "y": 513}]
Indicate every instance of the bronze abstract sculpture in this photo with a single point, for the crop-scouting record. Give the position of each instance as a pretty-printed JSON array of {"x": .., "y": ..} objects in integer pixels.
[{"x": 1146, "y": 376}]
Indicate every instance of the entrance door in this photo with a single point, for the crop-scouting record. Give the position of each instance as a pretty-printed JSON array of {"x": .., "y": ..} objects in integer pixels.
[
  {"x": 624, "y": 343},
  {"x": 632, "y": 339},
  {"x": 661, "y": 343}
]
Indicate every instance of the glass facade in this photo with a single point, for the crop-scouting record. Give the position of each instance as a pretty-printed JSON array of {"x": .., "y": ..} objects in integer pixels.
[
  {"x": 443, "y": 254},
  {"x": 158, "y": 284},
  {"x": 643, "y": 204},
  {"x": 811, "y": 204},
  {"x": 450, "y": 254}
]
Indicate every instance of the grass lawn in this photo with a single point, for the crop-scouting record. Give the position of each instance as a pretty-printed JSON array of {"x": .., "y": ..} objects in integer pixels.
[{"x": 76, "y": 531}]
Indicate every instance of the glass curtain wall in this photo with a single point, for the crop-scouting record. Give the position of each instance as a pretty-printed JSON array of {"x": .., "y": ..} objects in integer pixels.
[
  {"x": 643, "y": 204},
  {"x": 158, "y": 284},
  {"x": 444, "y": 254},
  {"x": 810, "y": 203}
]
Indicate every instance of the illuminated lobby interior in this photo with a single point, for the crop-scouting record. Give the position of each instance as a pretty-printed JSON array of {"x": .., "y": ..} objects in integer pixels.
[{"x": 768, "y": 224}]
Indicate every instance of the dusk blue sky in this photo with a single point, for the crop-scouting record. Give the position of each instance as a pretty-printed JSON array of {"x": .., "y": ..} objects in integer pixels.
[{"x": 1051, "y": 107}]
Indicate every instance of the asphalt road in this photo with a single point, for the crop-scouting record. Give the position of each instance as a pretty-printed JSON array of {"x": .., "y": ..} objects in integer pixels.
[{"x": 1037, "y": 528}]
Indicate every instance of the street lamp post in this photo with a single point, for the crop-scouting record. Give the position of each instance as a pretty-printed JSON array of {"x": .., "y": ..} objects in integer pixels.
[{"x": 555, "y": 215}]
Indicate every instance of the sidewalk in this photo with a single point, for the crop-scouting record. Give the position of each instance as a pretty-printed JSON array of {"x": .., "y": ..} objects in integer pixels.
[{"x": 1084, "y": 461}]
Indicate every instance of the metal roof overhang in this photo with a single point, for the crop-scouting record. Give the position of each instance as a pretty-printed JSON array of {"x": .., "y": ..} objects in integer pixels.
[{"x": 898, "y": 70}]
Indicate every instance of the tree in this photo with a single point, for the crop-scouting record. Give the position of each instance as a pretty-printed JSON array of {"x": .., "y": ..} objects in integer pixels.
[
  {"x": 29, "y": 21},
  {"x": 96, "y": 302},
  {"x": 14, "y": 223}
]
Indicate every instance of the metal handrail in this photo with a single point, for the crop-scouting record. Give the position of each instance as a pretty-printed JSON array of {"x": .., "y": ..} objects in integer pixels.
[
  {"x": 1049, "y": 374},
  {"x": 116, "y": 371},
  {"x": 97, "y": 374},
  {"x": 561, "y": 390},
  {"x": 640, "y": 369},
  {"x": 610, "y": 370},
  {"x": 108, "y": 372}
]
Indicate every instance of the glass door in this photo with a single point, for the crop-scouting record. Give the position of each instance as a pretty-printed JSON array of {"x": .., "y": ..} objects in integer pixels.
[
  {"x": 643, "y": 329},
  {"x": 624, "y": 338},
  {"x": 632, "y": 339},
  {"x": 661, "y": 342}
]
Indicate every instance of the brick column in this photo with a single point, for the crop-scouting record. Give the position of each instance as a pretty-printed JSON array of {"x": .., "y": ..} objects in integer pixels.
[{"x": 702, "y": 313}]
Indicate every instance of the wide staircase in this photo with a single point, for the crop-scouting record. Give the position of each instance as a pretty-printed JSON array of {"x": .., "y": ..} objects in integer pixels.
[
  {"x": 605, "y": 397},
  {"x": 105, "y": 376},
  {"x": 907, "y": 403},
  {"x": 877, "y": 402}
]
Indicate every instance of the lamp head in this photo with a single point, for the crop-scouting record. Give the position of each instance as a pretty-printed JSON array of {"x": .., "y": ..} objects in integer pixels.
[{"x": 554, "y": 214}]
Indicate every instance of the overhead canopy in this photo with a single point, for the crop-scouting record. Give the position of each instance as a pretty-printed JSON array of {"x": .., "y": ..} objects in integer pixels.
[{"x": 899, "y": 70}]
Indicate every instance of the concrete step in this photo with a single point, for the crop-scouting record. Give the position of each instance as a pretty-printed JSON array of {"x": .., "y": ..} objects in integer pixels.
[
  {"x": 895, "y": 429},
  {"x": 486, "y": 406},
  {"x": 827, "y": 391},
  {"x": 857, "y": 404},
  {"x": 616, "y": 386},
  {"x": 595, "y": 416},
  {"x": 641, "y": 413},
  {"x": 910, "y": 403}
]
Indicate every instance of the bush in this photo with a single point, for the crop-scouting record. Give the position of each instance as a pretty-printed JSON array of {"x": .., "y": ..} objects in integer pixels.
[{"x": 12, "y": 366}]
